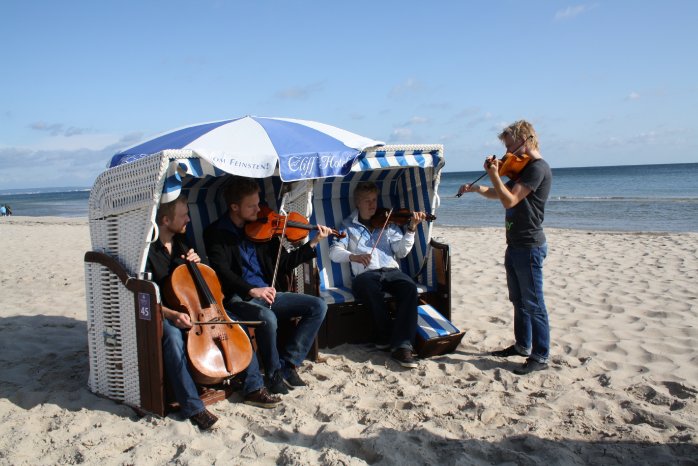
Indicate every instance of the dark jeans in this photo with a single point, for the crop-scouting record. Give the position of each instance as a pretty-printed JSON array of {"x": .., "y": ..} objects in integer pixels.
[
  {"x": 177, "y": 371},
  {"x": 369, "y": 287},
  {"x": 310, "y": 309},
  {"x": 524, "y": 267}
]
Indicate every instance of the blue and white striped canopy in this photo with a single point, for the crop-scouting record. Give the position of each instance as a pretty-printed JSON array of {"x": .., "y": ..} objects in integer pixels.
[{"x": 252, "y": 146}]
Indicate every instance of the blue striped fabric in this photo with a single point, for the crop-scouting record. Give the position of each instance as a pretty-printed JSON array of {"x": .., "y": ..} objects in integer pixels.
[
  {"x": 431, "y": 324},
  {"x": 172, "y": 140}
]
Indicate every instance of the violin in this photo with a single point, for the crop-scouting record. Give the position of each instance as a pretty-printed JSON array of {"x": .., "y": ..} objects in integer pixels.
[
  {"x": 511, "y": 164},
  {"x": 270, "y": 224},
  {"x": 398, "y": 217},
  {"x": 217, "y": 347}
]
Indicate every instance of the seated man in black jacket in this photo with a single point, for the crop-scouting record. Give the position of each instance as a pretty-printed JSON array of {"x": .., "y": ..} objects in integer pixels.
[
  {"x": 246, "y": 268},
  {"x": 166, "y": 254}
]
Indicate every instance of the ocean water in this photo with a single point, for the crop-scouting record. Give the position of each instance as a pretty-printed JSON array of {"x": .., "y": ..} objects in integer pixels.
[
  {"x": 71, "y": 203},
  {"x": 619, "y": 198},
  {"x": 622, "y": 198}
]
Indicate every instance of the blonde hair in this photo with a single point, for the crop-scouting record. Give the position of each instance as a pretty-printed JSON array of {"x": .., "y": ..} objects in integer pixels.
[
  {"x": 365, "y": 187},
  {"x": 520, "y": 131}
]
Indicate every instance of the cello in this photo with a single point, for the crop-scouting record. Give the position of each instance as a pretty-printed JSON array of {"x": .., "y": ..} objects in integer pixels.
[{"x": 217, "y": 347}]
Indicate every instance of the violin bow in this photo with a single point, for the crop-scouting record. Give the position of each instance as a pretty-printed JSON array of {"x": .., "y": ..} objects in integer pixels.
[
  {"x": 387, "y": 218},
  {"x": 284, "y": 214},
  {"x": 483, "y": 175},
  {"x": 249, "y": 323}
]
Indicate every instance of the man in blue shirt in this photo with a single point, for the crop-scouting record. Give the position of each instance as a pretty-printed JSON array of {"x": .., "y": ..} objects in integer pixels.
[
  {"x": 246, "y": 271},
  {"x": 373, "y": 254}
]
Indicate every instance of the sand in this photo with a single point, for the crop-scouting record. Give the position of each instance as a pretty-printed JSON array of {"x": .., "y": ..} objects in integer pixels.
[{"x": 621, "y": 387}]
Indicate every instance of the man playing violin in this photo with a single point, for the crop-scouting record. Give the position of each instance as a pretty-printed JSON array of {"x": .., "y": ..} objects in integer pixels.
[
  {"x": 164, "y": 256},
  {"x": 373, "y": 253},
  {"x": 246, "y": 270},
  {"x": 524, "y": 197}
]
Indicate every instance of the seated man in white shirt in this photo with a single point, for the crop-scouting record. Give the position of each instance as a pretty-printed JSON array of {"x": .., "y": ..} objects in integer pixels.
[{"x": 376, "y": 270}]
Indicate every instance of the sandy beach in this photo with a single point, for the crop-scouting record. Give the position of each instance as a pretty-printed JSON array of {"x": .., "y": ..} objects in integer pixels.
[{"x": 621, "y": 387}]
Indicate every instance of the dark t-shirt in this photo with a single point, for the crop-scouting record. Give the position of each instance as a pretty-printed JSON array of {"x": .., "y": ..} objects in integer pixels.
[
  {"x": 524, "y": 221},
  {"x": 160, "y": 263}
]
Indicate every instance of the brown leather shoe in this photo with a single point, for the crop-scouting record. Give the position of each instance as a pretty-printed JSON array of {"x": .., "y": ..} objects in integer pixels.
[
  {"x": 262, "y": 399},
  {"x": 404, "y": 357},
  {"x": 204, "y": 420}
]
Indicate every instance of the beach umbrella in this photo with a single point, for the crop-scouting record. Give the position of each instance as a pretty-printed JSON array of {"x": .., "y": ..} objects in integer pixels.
[{"x": 252, "y": 146}]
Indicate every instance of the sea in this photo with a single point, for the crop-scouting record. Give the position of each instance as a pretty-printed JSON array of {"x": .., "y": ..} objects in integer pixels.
[{"x": 631, "y": 198}]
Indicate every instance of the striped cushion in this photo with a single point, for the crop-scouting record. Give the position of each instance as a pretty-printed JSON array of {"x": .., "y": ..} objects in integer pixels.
[{"x": 431, "y": 324}]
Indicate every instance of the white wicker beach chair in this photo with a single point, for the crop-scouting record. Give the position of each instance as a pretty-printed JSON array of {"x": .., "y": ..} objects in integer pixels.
[{"x": 124, "y": 327}]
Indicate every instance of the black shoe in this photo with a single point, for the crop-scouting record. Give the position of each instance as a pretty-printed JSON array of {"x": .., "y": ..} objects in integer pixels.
[
  {"x": 276, "y": 384},
  {"x": 292, "y": 379},
  {"x": 506, "y": 352},
  {"x": 382, "y": 346},
  {"x": 204, "y": 420},
  {"x": 404, "y": 357},
  {"x": 262, "y": 399},
  {"x": 531, "y": 365}
]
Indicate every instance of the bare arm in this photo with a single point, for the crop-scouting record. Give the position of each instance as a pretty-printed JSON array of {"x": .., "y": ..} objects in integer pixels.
[{"x": 508, "y": 198}]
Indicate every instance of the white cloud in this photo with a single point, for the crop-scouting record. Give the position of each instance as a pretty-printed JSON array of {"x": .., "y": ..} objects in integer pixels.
[
  {"x": 485, "y": 117},
  {"x": 45, "y": 165},
  {"x": 572, "y": 11},
  {"x": 299, "y": 92},
  {"x": 409, "y": 86},
  {"x": 663, "y": 137},
  {"x": 632, "y": 96},
  {"x": 26, "y": 168},
  {"x": 75, "y": 142},
  {"x": 416, "y": 120},
  {"x": 401, "y": 134}
]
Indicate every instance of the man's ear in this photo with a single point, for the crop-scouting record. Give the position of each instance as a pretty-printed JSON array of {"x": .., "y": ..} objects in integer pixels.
[{"x": 234, "y": 207}]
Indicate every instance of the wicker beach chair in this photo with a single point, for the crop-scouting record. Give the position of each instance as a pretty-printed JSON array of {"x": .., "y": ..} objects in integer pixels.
[{"x": 124, "y": 325}]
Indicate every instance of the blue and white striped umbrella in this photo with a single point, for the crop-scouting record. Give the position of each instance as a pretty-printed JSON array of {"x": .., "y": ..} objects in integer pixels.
[{"x": 252, "y": 146}]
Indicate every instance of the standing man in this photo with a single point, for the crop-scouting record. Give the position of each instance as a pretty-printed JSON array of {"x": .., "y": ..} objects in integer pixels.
[
  {"x": 246, "y": 269},
  {"x": 524, "y": 197},
  {"x": 376, "y": 271},
  {"x": 164, "y": 256}
]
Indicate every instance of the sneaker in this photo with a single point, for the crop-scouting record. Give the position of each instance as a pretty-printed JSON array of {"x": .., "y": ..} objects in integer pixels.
[
  {"x": 262, "y": 399},
  {"x": 404, "y": 357},
  {"x": 531, "y": 365},
  {"x": 204, "y": 420},
  {"x": 292, "y": 379},
  {"x": 276, "y": 384},
  {"x": 382, "y": 346},
  {"x": 506, "y": 352}
]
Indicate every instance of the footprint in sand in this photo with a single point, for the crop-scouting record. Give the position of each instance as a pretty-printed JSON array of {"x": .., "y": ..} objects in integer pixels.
[{"x": 680, "y": 391}]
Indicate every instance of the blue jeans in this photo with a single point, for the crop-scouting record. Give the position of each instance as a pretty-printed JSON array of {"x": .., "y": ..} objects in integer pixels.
[
  {"x": 175, "y": 358},
  {"x": 524, "y": 268},
  {"x": 177, "y": 371},
  {"x": 369, "y": 287},
  {"x": 286, "y": 306}
]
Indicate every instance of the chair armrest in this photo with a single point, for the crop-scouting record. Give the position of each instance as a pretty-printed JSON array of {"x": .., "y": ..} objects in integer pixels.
[{"x": 131, "y": 283}]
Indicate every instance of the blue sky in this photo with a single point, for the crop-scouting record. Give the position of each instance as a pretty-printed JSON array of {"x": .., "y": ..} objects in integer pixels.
[{"x": 604, "y": 82}]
